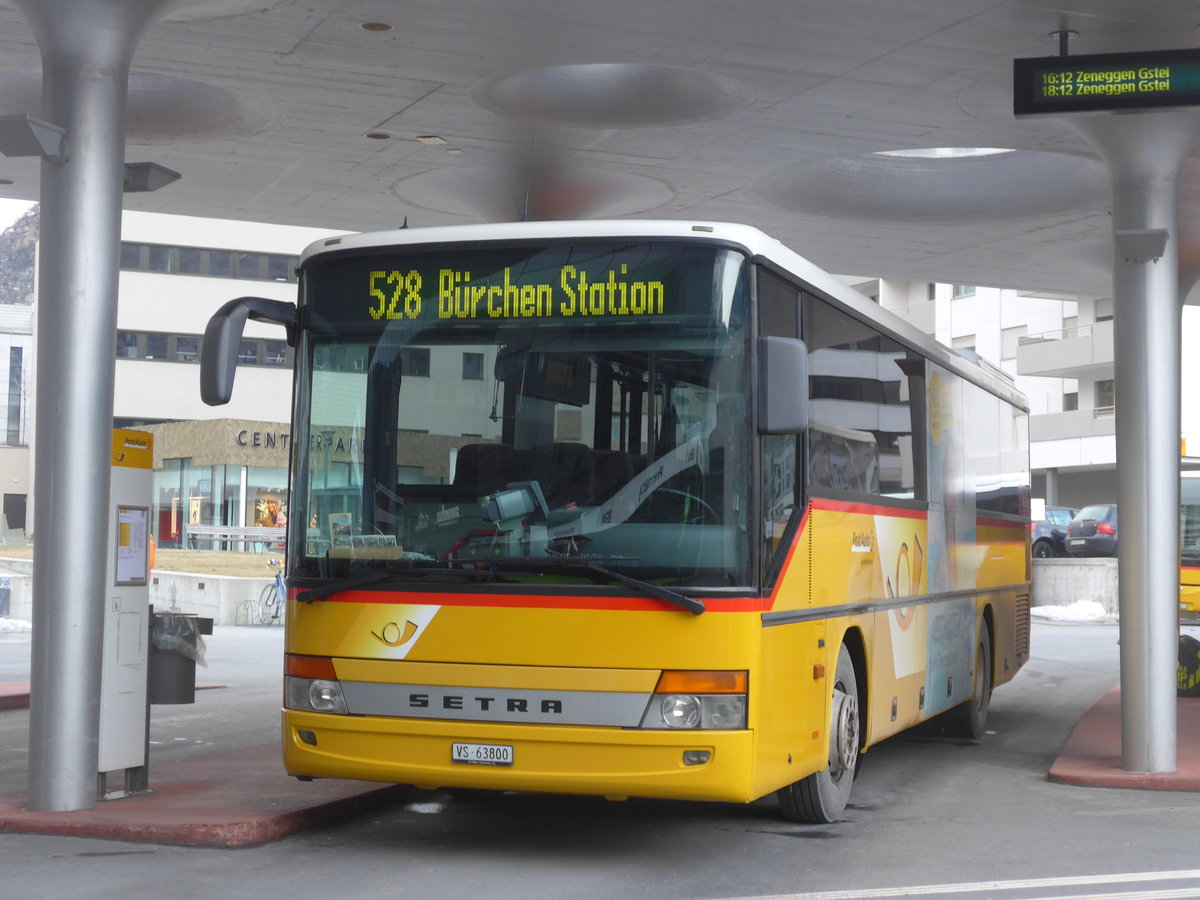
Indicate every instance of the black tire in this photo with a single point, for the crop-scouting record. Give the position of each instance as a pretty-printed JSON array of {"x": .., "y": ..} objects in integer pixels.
[
  {"x": 1043, "y": 550},
  {"x": 822, "y": 797},
  {"x": 969, "y": 719},
  {"x": 266, "y": 605}
]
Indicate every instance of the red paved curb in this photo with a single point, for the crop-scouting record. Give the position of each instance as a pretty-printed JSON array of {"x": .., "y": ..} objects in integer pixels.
[
  {"x": 1092, "y": 754},
  {"x": 231, "y": 799},
  {"x": 16, "y": 696}
]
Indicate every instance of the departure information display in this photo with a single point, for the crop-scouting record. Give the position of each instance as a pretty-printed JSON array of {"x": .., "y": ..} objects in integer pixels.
[
  {"x": 1062, "y": 84},
  {"x": 627, "y": 281}
]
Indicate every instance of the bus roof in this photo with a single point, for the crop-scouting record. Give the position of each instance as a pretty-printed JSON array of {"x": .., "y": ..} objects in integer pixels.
[{"x": 755, "y": 243}]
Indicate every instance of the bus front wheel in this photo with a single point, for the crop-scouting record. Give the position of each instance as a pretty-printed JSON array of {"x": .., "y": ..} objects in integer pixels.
[{"x": 821, "y": 797}]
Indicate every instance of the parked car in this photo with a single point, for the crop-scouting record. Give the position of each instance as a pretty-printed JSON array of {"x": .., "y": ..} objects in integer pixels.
[
  {"x": 1094, "y": 531},
  {"x": 1047, "y": 535}
]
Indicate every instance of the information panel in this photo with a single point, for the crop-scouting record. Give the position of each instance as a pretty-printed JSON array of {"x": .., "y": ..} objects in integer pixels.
[
  {"x": 635, "y": 283},
  {"x": 1108, "y": 81}
]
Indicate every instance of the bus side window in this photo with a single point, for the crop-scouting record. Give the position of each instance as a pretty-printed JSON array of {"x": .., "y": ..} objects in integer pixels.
[
  {"x": 779, "y": 504},
  {"x": 778, "y": 316}
]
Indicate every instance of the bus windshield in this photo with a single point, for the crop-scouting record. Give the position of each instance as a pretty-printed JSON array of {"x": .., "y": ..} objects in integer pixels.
[{"x": 518, "y": 408}]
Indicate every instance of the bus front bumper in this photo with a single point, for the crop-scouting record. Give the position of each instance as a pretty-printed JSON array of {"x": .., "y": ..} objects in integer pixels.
[{"x": 610, "y": 762}]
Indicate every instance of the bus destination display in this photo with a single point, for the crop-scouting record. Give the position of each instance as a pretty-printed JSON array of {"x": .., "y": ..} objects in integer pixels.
[
  {"x": 1062, "y": 84},
  {"x": 396, "y": 294},
  {"x": 493, "y": 287}
]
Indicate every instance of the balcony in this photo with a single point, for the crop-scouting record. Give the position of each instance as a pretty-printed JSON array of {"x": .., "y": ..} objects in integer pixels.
[
  {"x": 1085, "y": 352},
  {"x": 1078, "y": 423}
]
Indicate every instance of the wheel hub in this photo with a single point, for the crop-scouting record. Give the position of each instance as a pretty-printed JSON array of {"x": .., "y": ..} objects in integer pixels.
[{"x": 843, "y": 738}]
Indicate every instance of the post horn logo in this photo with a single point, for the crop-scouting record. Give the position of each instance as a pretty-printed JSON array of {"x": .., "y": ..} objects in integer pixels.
[{"x": 394, "y": 635}]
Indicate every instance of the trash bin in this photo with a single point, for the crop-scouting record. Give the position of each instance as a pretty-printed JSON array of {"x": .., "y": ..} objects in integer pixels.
[{"x": 176, "y": 646}]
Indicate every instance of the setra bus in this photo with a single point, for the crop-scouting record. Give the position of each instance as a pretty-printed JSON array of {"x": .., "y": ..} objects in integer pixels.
[
  {"x": 1189, "y": 542},
  {"x": 652, "y": 509}
]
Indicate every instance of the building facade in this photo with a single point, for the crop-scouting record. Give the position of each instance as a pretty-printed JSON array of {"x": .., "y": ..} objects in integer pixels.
[{"x": 225, "y": 465}]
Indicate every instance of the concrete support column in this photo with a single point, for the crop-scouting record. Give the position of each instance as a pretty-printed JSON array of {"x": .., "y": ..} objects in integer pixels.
[
  {"x": 1144, "y": 153},
  {"x": 86, "y": 48},
  {"x": 1051, "y": 487}
]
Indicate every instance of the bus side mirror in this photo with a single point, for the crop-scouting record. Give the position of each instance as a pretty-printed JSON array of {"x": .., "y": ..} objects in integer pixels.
[
  {"x": 782, "y": 385},
  {"x": 223, "y": 339}
]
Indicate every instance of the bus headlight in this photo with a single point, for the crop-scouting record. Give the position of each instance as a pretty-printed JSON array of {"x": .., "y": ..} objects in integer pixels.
[
  {"x": 716, "y": 700},
  {"x": 316, "y": 694},
  {"x": 311, "y": 683},
  {"x": 680, "y": 711}
]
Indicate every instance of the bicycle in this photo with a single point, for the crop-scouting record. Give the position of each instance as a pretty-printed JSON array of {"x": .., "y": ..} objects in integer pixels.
[{"x": 270, "y": 601}]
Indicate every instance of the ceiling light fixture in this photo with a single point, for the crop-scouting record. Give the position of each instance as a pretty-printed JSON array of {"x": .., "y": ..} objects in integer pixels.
[
  {"x": 378, "y": 135},
  {"x": 375, "y": 26},
  {"x": 431, "y": 139},
  {"x": 944, "y": 152}
]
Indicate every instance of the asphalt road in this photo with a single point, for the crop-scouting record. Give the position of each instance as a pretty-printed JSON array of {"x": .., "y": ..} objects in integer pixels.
[{"x": 974, "y": 820}]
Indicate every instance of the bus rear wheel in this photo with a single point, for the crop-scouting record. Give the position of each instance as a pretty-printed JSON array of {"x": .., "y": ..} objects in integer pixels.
[
  {"x": 821, "y": 797},
  {"x": 969, "y": 719}
]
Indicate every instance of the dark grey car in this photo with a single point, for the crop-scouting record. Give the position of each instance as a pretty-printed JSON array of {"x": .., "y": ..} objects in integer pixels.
[
  {"x": 1094, "y": 531},
  {"x": 1048, "y": 535}
]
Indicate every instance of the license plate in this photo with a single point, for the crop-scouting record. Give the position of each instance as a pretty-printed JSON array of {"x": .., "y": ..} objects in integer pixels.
[
  {"x": 1076, "y": 543},
  {"x": 482, "y": 754}
]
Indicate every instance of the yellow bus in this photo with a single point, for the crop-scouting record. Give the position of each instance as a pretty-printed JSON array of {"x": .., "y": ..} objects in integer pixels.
[
  {"x": 652, "y": 509},
  {"x": 1189, "y": 542}
]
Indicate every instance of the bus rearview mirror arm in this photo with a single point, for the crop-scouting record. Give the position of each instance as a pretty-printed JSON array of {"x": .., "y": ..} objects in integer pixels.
[
  {"x": 782, "y": 385},
  {"x": 223, "y": 338}
]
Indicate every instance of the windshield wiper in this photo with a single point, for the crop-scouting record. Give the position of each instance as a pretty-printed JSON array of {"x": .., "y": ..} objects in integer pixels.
[
  {"x": 691, "y": 604},
  {"x": 308, "y": 595}
]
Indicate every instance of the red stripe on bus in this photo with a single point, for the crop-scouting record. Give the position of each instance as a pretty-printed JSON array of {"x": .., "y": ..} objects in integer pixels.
[{"x": 532, "y": 601}]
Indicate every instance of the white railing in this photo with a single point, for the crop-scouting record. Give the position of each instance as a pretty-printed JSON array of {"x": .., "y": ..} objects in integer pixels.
[{"x": 1061, "y": 334}]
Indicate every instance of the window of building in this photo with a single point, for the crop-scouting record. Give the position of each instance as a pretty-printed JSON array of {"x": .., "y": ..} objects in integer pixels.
[
  {"x": 415, "y": 362},
  {"x": 158, "y": 259},
  {"x": 962, "y": 290},
  {"x": 212, "y": 263},
  {"x": 250, "y": 265},
  {"x": 15, "y": 389},
  {"x": 127, "y": 345},
  {"x": 472, "y": 369},
  {"x": 190, "y": 261},
  {"x": 1106, "y": 396},
  {"x": 275, "y": 353},
  {"x": 156, "y": 346},
  {"x": 220, "y": 264},
  {"x": 187, "y": 349},
  {"x": 1071, "y": 401}
]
